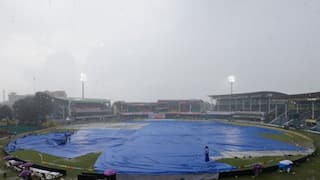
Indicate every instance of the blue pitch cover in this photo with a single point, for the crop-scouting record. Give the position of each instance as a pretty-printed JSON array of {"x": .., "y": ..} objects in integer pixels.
[{"x": 160, "y": 147}]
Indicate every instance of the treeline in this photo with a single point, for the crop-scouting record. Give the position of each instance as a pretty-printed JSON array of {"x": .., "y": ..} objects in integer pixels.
[
  {"x": 29, "y": 110},
  {"x": 6, "y": 112}
]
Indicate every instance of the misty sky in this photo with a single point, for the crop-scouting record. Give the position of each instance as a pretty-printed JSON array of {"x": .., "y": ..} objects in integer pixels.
[{"x": 144, "y": 50}]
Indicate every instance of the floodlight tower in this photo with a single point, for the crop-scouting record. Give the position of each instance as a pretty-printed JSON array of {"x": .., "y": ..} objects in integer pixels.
[
  {"x": 83, "y": 78},
  {"x": 232, "y": 80}
]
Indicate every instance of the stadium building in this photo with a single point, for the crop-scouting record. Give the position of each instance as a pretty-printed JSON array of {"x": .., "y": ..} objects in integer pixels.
[
  {"x": 66, "y": 108},
  {"x": 268, "y": 106},
  {"x": 180, "y": 106},
  {"x": 161, "y": 108}
]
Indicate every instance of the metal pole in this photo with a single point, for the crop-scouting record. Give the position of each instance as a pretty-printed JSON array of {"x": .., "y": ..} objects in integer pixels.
[
  {"x": 231, "y": 84},
  {"x": 3, "y": 95},
  {"x": 82, "y": 89},
  {"x": 34, "y": 85},
  {"x": 231, "y": 88}
]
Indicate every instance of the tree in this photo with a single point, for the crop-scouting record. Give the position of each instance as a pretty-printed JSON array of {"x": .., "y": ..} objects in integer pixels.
[
  {"x": 44, "y": 105},
  {"x": 33, "y": 109},
  {"x": 5, "y": 112},
  {"x": 25, "y": 110}
]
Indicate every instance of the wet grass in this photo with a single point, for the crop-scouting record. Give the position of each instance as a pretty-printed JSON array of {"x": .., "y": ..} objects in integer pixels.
[
  {"x": 247, "y": 163},
  {"x": 21, "y": 128},
  {"x": 86, "y": 161},
  {"x": 305, "y": 171},
  {"x": 73, "y": 166},
  {"x": 291, "y": 138}
]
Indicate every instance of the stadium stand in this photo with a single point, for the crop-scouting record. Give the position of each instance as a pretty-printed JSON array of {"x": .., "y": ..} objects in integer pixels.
[
  {"x": 191, "y": 108},
  {"x": 280, "y": 120},
  {"x": 316, "y": 127},
  {"x": 298, "y": 111},
  {"x": 78, "y": 108}
]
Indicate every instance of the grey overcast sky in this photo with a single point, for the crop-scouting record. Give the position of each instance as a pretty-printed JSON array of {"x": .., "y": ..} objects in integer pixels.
[{"x": 144, "y": 50}]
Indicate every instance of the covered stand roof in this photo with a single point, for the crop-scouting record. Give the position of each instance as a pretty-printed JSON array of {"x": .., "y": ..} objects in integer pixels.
[
  {"x": 86, "y": 100},
  {"x": 272, "y": 94},
  {"x": 314, "y": 96}
]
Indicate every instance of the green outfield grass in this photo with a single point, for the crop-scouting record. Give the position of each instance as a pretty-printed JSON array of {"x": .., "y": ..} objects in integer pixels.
[
  {"x": 19, "y": 129},
  {"x": 287, "y": 137},
  {"x": 84, "y": 162},
  {"x": 247, "y": 163},
  {"x": 304, "y": 171},
  {"x": 291, "y": 138}
]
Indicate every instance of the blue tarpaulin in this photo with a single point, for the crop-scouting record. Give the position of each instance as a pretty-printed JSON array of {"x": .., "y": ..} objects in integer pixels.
[{"x": 160, "y": 147}]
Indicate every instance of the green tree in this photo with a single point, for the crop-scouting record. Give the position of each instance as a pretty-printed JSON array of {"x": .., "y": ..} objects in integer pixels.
[
  {"x": 44, "y": 105},
  {"x": 33, "y": 109},
  {"x": 25, "y": 110},
  {"x": 5, "y": 112}
]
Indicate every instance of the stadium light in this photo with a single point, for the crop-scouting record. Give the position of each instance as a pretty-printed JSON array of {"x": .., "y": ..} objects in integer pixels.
[
  {"x": 83, "y": 78},
  {"x": 232, "y": 80}
]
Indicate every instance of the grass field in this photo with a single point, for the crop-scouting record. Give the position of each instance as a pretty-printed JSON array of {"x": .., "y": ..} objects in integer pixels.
[
  {"x": 266, "y": 161},
  {"x": 305, "y": 171},
  {"x": 73, "y": 166},
  {"x": 21, "y": 128},
  {"x": 287, "y": 137},
  {"x": 290, "y": 137}
]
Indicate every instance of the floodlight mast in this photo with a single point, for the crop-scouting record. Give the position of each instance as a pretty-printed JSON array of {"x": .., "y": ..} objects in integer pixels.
[
  {"x": 232, "y": 80},
  {"x": 83, "y": 78}
]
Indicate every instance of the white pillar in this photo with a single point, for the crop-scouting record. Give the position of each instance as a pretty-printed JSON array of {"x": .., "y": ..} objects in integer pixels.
[{"x": 69, "y": 108}]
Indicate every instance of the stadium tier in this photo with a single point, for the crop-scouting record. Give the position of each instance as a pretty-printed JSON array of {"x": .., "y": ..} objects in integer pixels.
[
  {"x": 65, "y": 108},
  {"x": 265, "y": 106},
  {"x": 168, "y": 108},
  {"x": 277, "y": 108}
]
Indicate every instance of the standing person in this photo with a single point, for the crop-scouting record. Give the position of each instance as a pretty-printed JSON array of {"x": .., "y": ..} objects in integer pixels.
[{"x": 206, "y": 151}]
